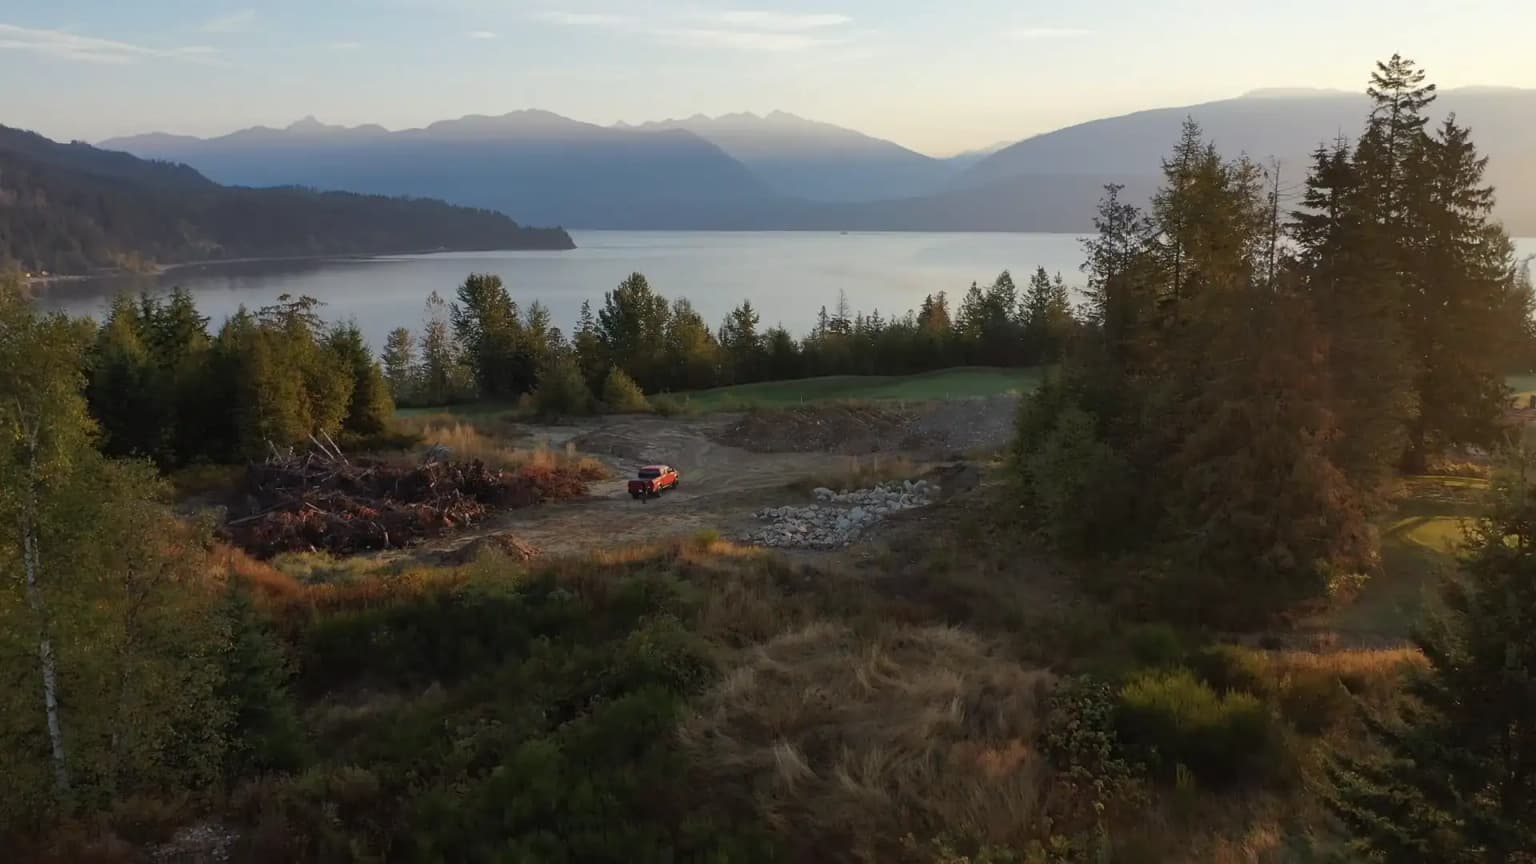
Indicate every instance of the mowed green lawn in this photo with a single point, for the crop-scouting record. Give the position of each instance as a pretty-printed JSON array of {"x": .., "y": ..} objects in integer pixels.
[{"x": 958, "y": 383}]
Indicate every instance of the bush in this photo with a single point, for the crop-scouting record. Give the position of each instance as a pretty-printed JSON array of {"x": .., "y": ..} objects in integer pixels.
[
  {"x": 621, "y": 395},
  {"x": 1074, "y": 485},
  {"x": 1233, "y": 668},
  {"x": 1172, "y": 718},
  {"x": 668, "y": 405},
  {"x": 562, "y": 391},
  {"x": 1157, "y": 644},
  {"x": 1080, "y": 742}
]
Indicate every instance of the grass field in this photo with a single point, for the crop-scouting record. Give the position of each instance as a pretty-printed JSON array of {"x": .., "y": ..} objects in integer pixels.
[
  {"x": 960, "y": 382},
  {"x": 1418, "y": 544}
]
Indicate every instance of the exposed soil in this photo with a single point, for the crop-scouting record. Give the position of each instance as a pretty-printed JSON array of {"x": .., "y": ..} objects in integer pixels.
[{"x": 732, "y": 465}]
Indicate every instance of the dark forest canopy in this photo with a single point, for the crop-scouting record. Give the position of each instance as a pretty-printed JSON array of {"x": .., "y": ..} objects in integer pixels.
[{"x": 72, "y": 208}]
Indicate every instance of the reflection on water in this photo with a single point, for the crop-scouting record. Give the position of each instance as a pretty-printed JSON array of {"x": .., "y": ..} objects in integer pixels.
[{"x": 788, "y": 276}]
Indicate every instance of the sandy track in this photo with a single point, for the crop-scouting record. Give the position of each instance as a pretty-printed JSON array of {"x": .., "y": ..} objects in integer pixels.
[{"x": 721, "y": 485}]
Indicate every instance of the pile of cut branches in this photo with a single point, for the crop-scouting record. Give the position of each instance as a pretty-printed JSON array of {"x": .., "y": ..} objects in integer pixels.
[{"x": 323, "y": 501}]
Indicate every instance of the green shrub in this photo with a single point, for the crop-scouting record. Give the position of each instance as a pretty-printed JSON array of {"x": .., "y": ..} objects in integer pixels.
[
  {"x": 621, "y": 395},
  {"x": 1172, "y": 718},
  {"x": 562, "y": 392},
  {"x": 265, "y": 733},
  {"x": 668, "y": 405},
  {"x": 1075, "y": 486},
  {"x": 1156, "y": 644},
  {"x": 1080, "y": 741},
  {"x": 1233, "y": 667}
]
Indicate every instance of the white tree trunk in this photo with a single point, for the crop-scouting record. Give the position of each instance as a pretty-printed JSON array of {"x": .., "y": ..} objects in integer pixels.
[{"x": 46, "y": 661}]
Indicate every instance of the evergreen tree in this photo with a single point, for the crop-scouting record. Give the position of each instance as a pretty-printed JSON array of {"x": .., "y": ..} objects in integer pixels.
[
  {"x": 781, "y": 356},
  {"x": 496, "y": 345},
  {"x": 1344, "y": 265},
  {"x": 588, "y": 347},
  {"x": 1047, "y": 318},
  {"x": 125, "y": 387},
  {"x": 368, "y": 406},
  {"x": 1457, "y": 782},
  {"x": 399, "y": 360},
  {"x": 265, "y": 733},
  {"x": 742, "y": 345},
  {"x": 1115, "y": 259}
]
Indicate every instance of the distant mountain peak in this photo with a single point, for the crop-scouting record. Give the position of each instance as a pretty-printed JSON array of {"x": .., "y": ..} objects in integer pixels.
[
  {"x": 1294, "y": 93},
  {"x": 308, "y": 123}
]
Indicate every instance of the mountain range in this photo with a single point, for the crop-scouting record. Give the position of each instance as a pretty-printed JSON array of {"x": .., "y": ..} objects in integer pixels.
[
  {"x": 780, "y": 171},
  {"x": 73, "y": 208}
]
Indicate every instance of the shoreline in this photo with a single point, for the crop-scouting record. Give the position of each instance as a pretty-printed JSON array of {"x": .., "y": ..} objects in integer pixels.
[{"x": 160, "y": 270}]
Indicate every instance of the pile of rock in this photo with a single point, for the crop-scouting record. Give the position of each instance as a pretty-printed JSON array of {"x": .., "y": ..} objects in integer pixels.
[{"x": 839, "y": 517}]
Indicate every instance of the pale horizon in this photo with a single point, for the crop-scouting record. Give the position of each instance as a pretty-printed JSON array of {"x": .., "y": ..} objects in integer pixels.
[{"x": 936, "y": 81}]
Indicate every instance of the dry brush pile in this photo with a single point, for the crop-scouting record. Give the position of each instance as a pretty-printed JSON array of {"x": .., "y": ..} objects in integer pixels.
[{"x": 323, "y": 501}]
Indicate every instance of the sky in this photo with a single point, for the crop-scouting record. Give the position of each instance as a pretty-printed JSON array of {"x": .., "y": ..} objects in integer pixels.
[{"x": 939, "y": 77}]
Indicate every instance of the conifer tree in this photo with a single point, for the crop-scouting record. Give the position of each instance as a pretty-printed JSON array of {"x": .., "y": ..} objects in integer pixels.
[
  {"x": 1457, "y": 781},
  {"x": 399, "y": 359}
]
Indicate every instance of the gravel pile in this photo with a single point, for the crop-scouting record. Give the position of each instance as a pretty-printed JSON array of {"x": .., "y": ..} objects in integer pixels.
[
  {"x": 964, "y": 425},
  {"x": 838, "y": 518}
]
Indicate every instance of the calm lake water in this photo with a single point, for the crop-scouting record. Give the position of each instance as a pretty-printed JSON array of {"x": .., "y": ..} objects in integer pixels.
[{"x": 788, "y": 276}]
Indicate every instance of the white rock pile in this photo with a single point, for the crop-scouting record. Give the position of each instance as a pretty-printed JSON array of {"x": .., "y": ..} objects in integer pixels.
[{"x": 838, "y": 518}]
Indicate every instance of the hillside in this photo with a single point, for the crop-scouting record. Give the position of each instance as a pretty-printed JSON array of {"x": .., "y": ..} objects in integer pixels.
[
  {"x": 72, "y": 208},
  {"x": 802, "y": 158},
  {"x": 1283, "y": 124},
  {"x": 782, "y": 172},
  {"x": 536, "y": 166}
]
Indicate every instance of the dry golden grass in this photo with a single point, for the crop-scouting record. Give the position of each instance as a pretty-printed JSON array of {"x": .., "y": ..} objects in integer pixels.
[
  {"x": 851, "y": 742},
  {"x": 1374, "y": 675},
  {"x": 492, "y": 442}
]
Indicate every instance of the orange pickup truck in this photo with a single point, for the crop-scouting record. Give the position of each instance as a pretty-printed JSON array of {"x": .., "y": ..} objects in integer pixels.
[{"x": 653, "y": 480}]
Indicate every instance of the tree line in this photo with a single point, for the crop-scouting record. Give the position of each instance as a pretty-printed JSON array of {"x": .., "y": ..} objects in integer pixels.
[
  {"x": 160, "y": 385},
  {"x": 1247, "y": 389},
  {"x": 485, "y": 345}
]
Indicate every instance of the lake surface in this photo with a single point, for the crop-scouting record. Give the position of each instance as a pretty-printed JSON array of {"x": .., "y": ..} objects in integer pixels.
[{"x": 788, "y": 276}]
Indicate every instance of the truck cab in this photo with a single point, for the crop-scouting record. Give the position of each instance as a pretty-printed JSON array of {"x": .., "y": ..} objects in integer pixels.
[{"x": 652, "y": 480}]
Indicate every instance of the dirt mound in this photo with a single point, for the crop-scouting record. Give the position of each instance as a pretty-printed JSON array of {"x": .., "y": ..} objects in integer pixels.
[
  {"x": 339, "y": 506},
  {"x": 506, "y": 544},
  {"x": 847, "y": 429},
  {"x": 968, "y": 425}
]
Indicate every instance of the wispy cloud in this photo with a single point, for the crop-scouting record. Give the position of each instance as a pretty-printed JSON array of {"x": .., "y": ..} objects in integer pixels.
[
  {"x": 234, "y": 22},
  {"x": 1029, "y": 33},
  {"x": 582, "y": 19},
  {"x": 481, "y": 34},
  {"x": 741, "y": 30},
  {"x": 757, "y": 19},
  {"x": 63, "y": 45}
]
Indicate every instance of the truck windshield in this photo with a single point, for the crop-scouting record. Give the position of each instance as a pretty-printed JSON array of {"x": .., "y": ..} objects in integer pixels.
[{"x": 649, "y": 473}]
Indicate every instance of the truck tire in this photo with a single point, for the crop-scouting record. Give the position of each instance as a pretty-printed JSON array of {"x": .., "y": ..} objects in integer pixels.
[{"x": 635, "y": 495}]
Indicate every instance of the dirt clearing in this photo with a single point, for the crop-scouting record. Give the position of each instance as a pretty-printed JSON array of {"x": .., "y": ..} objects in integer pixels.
[{"x": 731, "y": 465}]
